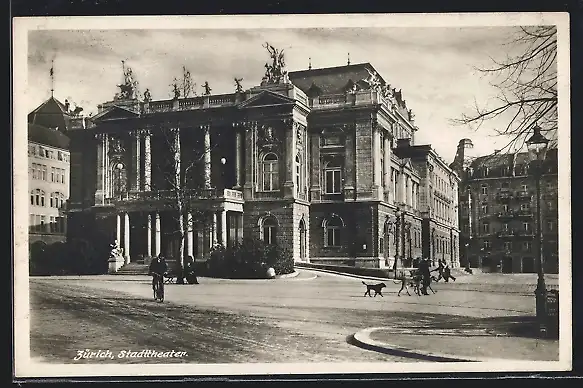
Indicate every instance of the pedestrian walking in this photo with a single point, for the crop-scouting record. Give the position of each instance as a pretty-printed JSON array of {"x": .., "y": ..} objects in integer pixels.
[
  {"x": 447, "y": 274},
  {"x": 425, "y": 274},
  {"x": 439, "y": 270}
]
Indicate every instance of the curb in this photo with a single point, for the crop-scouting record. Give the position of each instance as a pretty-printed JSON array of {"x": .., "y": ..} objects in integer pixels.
[
  {"x": 362, "y": 339},
  {"x": 288, "y": 275},
  {"x": 343, "y": 274}
]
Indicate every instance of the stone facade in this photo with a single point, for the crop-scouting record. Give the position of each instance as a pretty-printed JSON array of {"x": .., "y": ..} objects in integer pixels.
[
  {"x": 498, "y": 214},
  {"x": 307, "y": 162}
]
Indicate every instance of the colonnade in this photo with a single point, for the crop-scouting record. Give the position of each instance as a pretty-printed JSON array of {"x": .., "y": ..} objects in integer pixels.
[{"x": 207, "y": 234}]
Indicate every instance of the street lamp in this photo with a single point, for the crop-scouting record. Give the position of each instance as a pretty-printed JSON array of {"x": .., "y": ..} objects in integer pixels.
[
  {"x": 537, "y": 148},
  {"x": 223, "y": 163}
]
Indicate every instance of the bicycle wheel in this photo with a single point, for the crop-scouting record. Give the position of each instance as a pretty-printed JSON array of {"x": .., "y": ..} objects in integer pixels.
[{"x": 161, "y": 291}]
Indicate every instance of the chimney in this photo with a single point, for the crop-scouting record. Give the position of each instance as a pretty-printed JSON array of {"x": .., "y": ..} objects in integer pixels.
[{"x": 404, "y": 143}]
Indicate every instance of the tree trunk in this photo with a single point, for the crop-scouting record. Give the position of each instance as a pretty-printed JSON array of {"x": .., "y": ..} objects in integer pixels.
[{"x": 180, "y": 196}]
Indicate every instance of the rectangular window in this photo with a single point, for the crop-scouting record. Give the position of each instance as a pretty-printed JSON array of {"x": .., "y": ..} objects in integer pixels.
[
  {"x": 333, "y": 181},
  {"x": 505, "y": 226},
  {"x": 508, "y": 246},
  {"x": 62, "y": 175},
  {"x": 484, "y": 190},
  {"x": 52, "y": 227},
  {"x": 44, "y": 172},
  {"x": 525, "y": 206},
  {"x": 332, "y": 236},
  {"x": 505, "y": 208},
  {"x": 43, "y": 223},
  {"x": 526, "y": 226},
  {"x": 550, "y": 226},
  {"x": 526, "y": 246},
  {"x": 486, "y": 227},
  {"x": 486, "y": 244},
  {"x": 524, "y": 188},
  {"x": 484, "y": 209},
  {"x": 52, "y": 174}
]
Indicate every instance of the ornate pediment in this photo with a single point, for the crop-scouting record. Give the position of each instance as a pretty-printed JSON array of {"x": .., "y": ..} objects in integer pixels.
[
  {"x": 266, "y": 98},
  {"x": 115, "y": 113}
]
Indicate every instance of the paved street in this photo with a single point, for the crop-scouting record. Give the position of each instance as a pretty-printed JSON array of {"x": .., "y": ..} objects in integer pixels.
[{"x": 305, "y": 319}]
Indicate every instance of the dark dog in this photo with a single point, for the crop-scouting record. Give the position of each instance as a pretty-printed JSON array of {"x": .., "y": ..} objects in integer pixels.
[{"x": 377, "y": 288}]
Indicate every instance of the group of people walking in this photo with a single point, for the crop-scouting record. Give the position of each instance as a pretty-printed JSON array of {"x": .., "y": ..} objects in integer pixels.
[{"x": 423, "y": 265}]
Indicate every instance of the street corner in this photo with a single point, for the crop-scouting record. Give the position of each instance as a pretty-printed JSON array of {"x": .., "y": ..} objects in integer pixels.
[
  {"x": 364, "y": 339},
  {"x": 455, "y": 345}
]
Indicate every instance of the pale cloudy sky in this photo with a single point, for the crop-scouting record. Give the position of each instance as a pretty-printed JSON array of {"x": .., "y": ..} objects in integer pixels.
[{"x": 433, "y": 66}]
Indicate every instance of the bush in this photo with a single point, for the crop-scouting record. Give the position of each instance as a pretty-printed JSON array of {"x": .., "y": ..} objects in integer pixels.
[
  {"x": 76, "y": 257},
  {"x": 249, "y": 259}
]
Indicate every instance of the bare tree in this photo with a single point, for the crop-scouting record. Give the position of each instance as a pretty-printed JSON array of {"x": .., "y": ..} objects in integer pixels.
[
  {"x": 526, "y": 85},
  {"x": 183, "y": 188}
]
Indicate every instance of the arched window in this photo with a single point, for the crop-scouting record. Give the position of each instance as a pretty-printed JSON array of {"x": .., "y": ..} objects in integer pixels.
[
  {"x": 303, "y": 240},
  {"x": 333, "y": 177},
  {"x": 332, "y": 231},
  {"x": 32, "y": 197},
  {"x": 269, "y": 230},
  {"x": 270, "y": 172}
]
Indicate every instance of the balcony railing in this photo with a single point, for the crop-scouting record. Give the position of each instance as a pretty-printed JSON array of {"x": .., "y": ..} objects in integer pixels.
[
  {"x": 211, "y": 193},
  {"x": 524, "y": 213},
  {"x": 506, "y": 233},
  {"x": 508, "y": 214},
  {"x": 332, "y": 99},
  {"x": 525, "y": 233},
  {"x": 504, "y": 195}
]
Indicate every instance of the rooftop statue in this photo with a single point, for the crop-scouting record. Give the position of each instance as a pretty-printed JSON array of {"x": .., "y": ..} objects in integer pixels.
[
  {"x": 373, "y": 80},
  {"x": 207, "y": 88},
  {"x": 238, "y": 87},
  {"x": 147, "y": 96},
  {"x": 275, "y": 72},
  {"x": 129, "y": 87}
]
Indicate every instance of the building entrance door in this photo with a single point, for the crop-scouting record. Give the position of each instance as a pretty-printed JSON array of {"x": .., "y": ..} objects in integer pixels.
[
  {"x": 528, "y": 265},
  {"x": 507, "y": 264}
]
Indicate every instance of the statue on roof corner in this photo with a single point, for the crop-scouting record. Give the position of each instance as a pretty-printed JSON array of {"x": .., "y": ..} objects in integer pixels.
[
  {"x": 129, "y": 87},
  {"x": 238, "y": 86},
  {"x": 275, "y": 72},
  {"x": 373, "y": 80}
]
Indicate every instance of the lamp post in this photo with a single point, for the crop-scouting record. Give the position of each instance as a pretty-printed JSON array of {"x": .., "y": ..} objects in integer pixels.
[
  {"x": 223, "y": 165},
  {"x": 397, "y": 238},
  {"x": 537, "y": 148}
]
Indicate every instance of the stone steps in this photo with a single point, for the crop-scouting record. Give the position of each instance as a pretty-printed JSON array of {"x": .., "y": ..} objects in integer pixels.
[{"x": 133, "y": 269}]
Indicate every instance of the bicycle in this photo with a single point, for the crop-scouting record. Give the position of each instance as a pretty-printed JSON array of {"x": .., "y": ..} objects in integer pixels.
[{"x": 159, "y": 287}]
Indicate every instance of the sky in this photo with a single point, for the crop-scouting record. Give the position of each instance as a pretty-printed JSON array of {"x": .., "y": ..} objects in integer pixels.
[{"x": 433, "y": 66}]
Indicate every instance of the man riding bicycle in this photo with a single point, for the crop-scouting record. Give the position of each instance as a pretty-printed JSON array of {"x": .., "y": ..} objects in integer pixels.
[{"x": 158, "y": 268}]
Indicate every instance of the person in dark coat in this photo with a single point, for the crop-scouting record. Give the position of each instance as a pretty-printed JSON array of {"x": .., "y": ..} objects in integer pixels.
[
  {"x": 447, "y": 274},
  {"x": 189, "y": 271},
  {"x": 426, "y": 275},
  {"x": 439, "y": 270},
  {"x": 159, "y": 267}
]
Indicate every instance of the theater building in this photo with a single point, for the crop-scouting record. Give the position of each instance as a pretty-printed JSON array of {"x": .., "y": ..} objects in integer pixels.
[{"x": 310, "y": 160}]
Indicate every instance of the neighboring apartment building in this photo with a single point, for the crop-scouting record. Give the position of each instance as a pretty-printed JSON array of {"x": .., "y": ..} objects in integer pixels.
[
  {"x": 308, "y": 160},
  {"x": 498, "y": 213},
  {"x": 48, "y": 181}
]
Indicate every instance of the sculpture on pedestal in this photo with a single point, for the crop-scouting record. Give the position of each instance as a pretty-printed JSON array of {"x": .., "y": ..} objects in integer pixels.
[
  {"x": 275, "y": 72},
  {"x": 129, "y": 87}
]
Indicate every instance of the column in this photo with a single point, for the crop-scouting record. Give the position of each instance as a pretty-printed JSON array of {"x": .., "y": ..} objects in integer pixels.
[
  {"x": 387, "y": 167},
  {"x": 207, "y": 156},
  {"x": 290, "y": 152},
  {"x": 403, "y": 177},
  {"x": 189, "y": 235},
  {"x": 214, "y": 229},
  {"x": 224, "y": 227},
  {"x": 126, "y": 237},
  {"x": 200, "y": 237},
  {"x": 118, "y": 229},
  {"x": 238, "y": 156},
  {"x": 149, "y": 236},
  {"x": 315, "y": 189},
  {"x": 136, "y": 160},
  {"x": 376, "y": 165},
  {"x": 249, "y": 160},
  {"x": 147, "y": 161},
  {"x": 158, "y": 235},
  {"x": 100, "y": 192}
]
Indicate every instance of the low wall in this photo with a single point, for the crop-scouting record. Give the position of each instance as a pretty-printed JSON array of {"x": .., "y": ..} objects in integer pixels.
[{"x": 361, "y": 271}]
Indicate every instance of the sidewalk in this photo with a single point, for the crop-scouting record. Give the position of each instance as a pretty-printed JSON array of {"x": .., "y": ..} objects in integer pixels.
[{"x": 462, "y": 344}]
